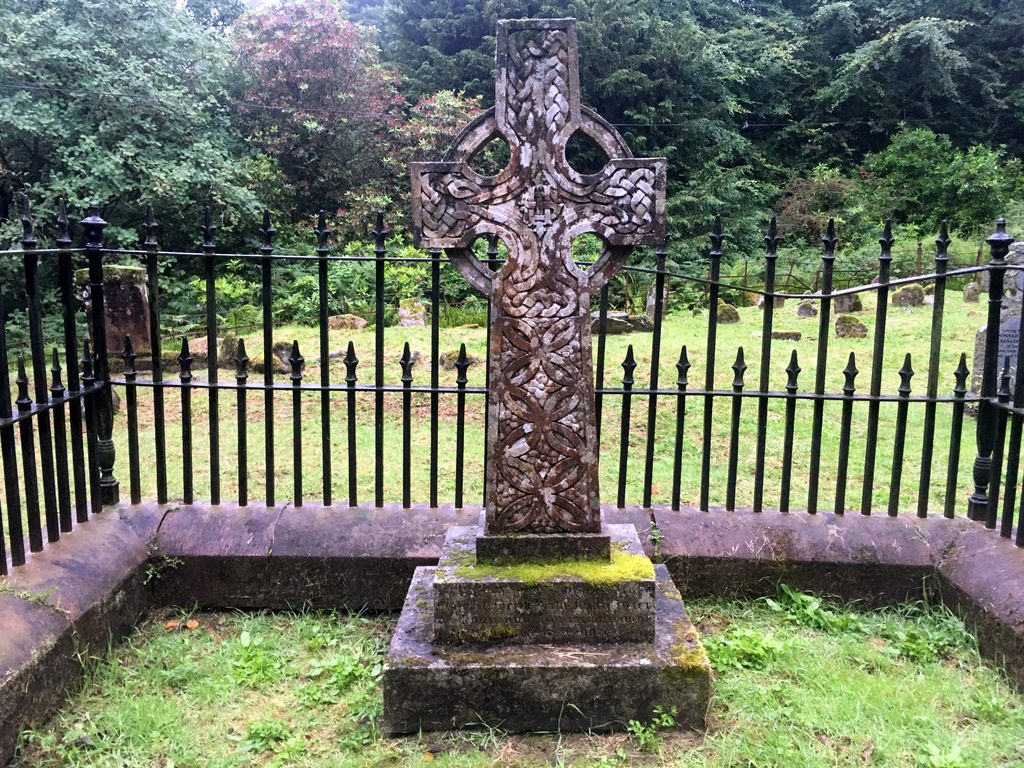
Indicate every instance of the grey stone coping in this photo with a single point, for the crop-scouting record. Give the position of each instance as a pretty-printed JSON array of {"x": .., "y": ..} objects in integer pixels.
[{"x": 98, "y": 581}]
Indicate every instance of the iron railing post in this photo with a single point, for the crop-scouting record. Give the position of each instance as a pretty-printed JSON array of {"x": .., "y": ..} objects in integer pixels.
[
  {"x": 109, "y": 486},
  {"x": 999, "y": 245}
]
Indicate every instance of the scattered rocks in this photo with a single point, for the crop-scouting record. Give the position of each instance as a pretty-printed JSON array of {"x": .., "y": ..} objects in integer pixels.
[
  {"x": 346, "y": 322},
  {"x": 727, "y": 313},
  {"x": 620, "y": 322},
  {"x": 787, "y": 335},
  {"x": 911, "y": 295},
  {"x": 411, "y": 312},
  {"x": 447, "y": 359},
  {"x": 256, "y": 364},
  {"x": 806, "y": 309},
  {"x": 849, "y": 327},
  {"x": 847, "y": 303},
  {"x": 971, "y": 293}
]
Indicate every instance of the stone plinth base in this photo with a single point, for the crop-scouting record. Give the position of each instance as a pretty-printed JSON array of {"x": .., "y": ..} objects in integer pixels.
[
  {"x": 574, "y": 601},
  {"x": 573, "y": 686},
  {"x": 514, "y": 548}
]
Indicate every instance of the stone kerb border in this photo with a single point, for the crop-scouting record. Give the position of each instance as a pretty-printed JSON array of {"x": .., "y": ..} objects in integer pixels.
[{"x": 68, "y": 603}]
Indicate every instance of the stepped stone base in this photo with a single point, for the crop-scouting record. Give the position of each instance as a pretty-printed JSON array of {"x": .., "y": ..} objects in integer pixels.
[
  {"x": 568, "y": 687},
  {"x": 513, "y": 548},
  {"x": 575, "y": 601}
]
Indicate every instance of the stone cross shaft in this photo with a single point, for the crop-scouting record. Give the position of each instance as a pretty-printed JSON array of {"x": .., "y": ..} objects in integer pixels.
[{"x": 542, "y": 440}]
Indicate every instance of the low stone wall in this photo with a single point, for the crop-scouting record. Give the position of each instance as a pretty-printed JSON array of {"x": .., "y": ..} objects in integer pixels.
[{"x": 91, "y": 588}]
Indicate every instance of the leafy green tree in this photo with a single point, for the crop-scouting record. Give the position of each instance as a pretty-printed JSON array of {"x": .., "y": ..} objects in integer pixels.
[
  {"x": 922, "y": 178},
  {"x": 123, "y": 102}
]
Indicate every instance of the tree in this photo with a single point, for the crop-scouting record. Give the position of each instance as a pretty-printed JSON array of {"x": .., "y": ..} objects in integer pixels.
[
  {"x": 318, "y": 99},
  {"x": 123, "y": 102},
  {"x": 922, "y": 178}
]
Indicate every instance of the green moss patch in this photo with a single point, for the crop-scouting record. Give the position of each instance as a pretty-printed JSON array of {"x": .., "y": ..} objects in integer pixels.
[{"x": 623, "y": 566}]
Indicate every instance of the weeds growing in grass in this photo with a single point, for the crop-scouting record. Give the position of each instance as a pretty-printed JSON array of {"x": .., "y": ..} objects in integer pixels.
[{"x": 799, "y": 682}]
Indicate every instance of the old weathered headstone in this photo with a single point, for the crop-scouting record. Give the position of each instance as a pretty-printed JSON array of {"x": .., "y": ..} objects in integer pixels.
[
  {"x": 911, "y": 295},
  {"x": 846, "y": 303},
  {"x": 411, "y": 313},
  {"x": 126, "y": 307},
  {"x": 971, "y": 293},
  {"x": 589, "y": 634},
  {"x": 652, "y": 296},
  {"x": 806, "y": 309},
  {"x": 1009, "y": 336},
  {"x": 849, "y": 327},
  {"x": 1015, "y": 256},
  {"x": 777, "y": 302}
]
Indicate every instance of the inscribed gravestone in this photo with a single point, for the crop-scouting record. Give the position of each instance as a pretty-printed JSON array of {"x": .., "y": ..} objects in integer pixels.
[
  {"x": 542, "y": 439},
  {"x": 1009, "y": 336}
]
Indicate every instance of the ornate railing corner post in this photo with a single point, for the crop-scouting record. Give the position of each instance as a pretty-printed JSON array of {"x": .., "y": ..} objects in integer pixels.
[
  {"x": 999, "y": 245},
  {"x": 93, "y": 226}
]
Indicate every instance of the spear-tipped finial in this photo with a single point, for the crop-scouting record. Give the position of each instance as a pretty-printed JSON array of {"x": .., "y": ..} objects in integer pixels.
[
  {"x": 830, "y": 240},
  {"x": 683, "y": 366},
  {"x": 772, "y": 239},
  {"x": 322, "y": 232},
  {"x": 56, "y": 385},
  {"x": 379, "y": 230},
  {"x": 906, "y": 372},
  {"x": 739, "y": 368},
  {"x": 407, "y": 363},
  {"x": 241, "y": 361},
  {"x": 942, "y": 242},
  {"x": 63, "y": 232},
  {"x": 792, "y": 371},
  {"x": 461, "y": 365},
  {"x": 717, "y": 236},
  {"x": 209, "y": 228},
  {"x": 149, "y": 228},
  {"x": 185, "y": 360},
  {"x": 296, "y": 361},
  {"x": 628, "y": 365},
  {"x": 129, "y": 355},
  {"x": 849, "y": 374},
  {"x": 960, "y": 374},
  {"x": 351, "y": 361},
  {"x": 1004, "y": 381},
  {"x": 24, "y": 402},
  {"x": 86, "y": 361},
  {"x": 266, "y": 233},
  {"x": 28, "y": 235}
]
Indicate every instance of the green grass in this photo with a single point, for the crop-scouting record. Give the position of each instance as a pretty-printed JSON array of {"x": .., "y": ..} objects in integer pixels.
[
  {"x": 798, "y": 683},
  {"x": 907, "y": 330}
]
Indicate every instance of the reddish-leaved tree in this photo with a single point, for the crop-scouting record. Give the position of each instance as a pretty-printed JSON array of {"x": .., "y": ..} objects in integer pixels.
[{"x": 320, "y": 101}]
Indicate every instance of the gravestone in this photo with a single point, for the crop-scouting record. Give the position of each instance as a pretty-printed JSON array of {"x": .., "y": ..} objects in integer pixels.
[
  {"x": 1009, "y": 336},
  {"x": 126, "y": 307},
  {"x": 543, "y": 616}
]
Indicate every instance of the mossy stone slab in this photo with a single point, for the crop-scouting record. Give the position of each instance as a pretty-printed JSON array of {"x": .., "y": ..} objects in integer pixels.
[
  {"x": 545, "y": 687},
  {"x": 570, "y": 601}
]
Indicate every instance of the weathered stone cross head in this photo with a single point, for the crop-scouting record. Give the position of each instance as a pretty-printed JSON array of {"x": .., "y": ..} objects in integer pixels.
[{"x": 542, "y": 438}]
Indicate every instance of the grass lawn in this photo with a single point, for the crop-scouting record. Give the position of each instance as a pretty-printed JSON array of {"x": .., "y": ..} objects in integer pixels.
[
  {"x": 907, "y": 331},
  {"x": 798, "y": 683}
]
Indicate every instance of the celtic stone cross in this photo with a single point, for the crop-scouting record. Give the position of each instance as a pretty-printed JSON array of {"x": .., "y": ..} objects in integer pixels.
[{"x": 542, "y": 441}]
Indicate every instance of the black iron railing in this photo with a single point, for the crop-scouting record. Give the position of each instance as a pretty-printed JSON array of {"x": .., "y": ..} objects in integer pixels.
[{"x": 59, "y": 473}]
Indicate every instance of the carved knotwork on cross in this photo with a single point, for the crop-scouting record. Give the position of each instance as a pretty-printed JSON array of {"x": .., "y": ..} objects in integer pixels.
[{"x": 542, "y": 440}]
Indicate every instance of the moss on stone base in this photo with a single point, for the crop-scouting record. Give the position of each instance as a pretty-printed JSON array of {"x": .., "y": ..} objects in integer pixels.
[{"x": 623, "y": 566}]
